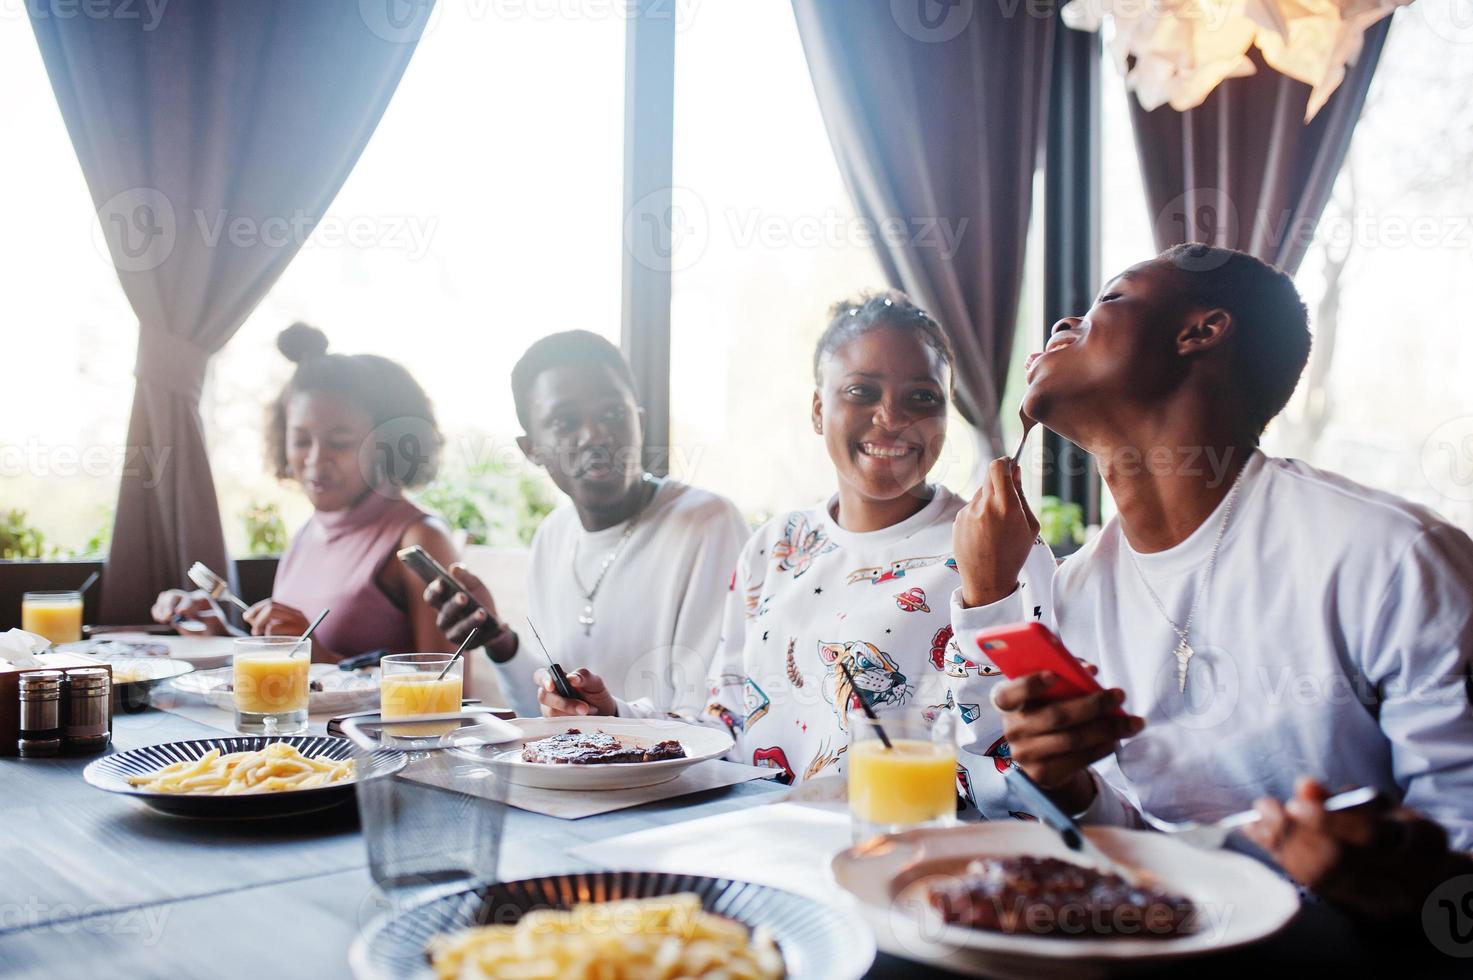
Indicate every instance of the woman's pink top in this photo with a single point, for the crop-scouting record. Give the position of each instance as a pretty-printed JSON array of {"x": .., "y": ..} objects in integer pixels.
[{"x": 334, "y": 561}]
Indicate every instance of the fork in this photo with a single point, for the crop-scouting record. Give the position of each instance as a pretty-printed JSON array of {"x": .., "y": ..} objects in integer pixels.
[
  {"x": 214, "y": 586},
  {"x": 1213, "y": 835}
]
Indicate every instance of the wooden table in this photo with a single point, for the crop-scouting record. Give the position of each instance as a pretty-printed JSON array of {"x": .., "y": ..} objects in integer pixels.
[{"x": 93, "y": 884}]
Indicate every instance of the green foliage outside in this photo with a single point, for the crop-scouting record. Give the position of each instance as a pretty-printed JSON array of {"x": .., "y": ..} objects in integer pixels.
[
  {"x": 265, "y": 530},
  {"x": 21, "y": 540},
  {"x": 493, "y": 502},
  {"x": 1060, "y": 523}
]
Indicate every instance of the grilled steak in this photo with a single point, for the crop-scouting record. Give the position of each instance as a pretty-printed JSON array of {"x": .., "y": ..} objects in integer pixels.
[
  {"x": 578, "y": 748},
  {"x": 1049, "y": 897}
]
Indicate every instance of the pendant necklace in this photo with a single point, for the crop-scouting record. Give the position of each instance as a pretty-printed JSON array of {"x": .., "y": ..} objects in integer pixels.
[
  {"x": 586, "y": 617},
  {"x": 1184, "y": 651}
]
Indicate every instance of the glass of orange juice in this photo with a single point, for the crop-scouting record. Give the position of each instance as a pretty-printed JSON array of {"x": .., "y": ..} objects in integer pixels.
[
  {"x": 271, "y": 687},
  {"x": 54, "y": 615},
  {"x": 410, "y": 684},
  {"x": 909, "y": 783}
]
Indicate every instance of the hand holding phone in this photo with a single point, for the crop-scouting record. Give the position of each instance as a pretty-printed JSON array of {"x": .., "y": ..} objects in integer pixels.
[
  {"x": 424, "y": 565},
  {"x": 1054, "y": 729},
  {"x": 1030, "y": 648}
]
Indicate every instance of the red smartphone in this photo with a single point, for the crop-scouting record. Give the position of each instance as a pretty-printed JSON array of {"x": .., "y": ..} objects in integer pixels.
[{"x": 1027, "y": 648}]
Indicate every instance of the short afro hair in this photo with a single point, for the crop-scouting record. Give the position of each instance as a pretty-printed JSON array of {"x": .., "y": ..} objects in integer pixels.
[
  {"x": 889, "y": 308},
  {"x": 559, "y": 350},
  {"x": 1271, "y": 337},
  {"x": 383, "y": 389}
]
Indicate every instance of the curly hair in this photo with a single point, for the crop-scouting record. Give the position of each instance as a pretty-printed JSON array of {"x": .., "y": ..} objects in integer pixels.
[
  {"x": 382, "y": 388},
  {"x": 888, "y": 308}
]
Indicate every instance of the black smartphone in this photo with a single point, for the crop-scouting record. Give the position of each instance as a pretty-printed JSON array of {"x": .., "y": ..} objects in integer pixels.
[{"x": 421, "y": 563}]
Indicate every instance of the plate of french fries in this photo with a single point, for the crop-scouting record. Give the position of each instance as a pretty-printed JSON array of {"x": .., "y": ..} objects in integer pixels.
[
  {"x": 240, "y": 777},
  {"x": 613, "y": 925}
]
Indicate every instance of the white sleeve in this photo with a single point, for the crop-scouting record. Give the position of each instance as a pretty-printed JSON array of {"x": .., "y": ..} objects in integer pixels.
[
  {"x": 1419, "y": 657},
  {"x": 725, "y": 689},
  {"x": 698, "y": 618},
  {"x": 982, "y": 752},
  {"x": 515, "y": 675}
]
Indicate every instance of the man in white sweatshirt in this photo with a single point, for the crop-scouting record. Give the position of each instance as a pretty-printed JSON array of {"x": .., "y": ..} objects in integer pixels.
[
  {"x": 1278, "y": 632},
  {"x": 628, "y": 577}
]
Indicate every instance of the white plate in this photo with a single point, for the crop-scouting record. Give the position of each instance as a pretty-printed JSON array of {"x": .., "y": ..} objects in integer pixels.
[
  {"x": 204, "y": 652},
  {"x": 699, "y": 743},
  {"x": 1238, "y": 900},
  {"x": 343, "y": 690}
]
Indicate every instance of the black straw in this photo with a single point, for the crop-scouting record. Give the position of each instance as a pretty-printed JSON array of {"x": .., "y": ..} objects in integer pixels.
[{"x": 868, "y": 711}]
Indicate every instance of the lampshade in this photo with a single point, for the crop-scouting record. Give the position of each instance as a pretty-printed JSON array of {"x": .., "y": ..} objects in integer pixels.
[{"x": 1177, "y": 51}]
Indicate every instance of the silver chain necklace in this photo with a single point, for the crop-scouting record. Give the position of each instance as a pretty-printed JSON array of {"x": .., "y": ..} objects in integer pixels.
[
  {"x": 586, "y": 618},
  {"x": 1184, "y": 651}
]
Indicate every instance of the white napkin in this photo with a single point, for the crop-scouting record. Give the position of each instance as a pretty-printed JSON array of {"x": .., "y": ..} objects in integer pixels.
[
  {"x": 18, "y": 649},
  {"x": 785, "y": 845}
]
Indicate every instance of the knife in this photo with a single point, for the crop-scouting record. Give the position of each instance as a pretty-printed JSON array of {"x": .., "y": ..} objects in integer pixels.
[{"x": 1074, "y": 837}]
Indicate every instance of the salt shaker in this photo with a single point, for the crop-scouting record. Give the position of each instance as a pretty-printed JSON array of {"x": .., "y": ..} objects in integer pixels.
[
  {"x": 40, "y": 713},
  {"x": 88, "y": 724}
]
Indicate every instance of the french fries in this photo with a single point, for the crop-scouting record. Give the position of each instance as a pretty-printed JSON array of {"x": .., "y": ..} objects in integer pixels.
[
  {"x": 638, "y": 939},
  {"x": 274, "y": 769}
]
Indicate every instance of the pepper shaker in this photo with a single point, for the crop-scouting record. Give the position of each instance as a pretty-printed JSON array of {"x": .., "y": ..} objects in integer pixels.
[
  {"x": 88, "y": 724},
  {"x": 40, "y": 713}
]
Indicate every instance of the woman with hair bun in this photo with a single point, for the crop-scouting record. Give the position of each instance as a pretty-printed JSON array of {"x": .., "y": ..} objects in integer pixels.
[{"x": 353, "y": 431}]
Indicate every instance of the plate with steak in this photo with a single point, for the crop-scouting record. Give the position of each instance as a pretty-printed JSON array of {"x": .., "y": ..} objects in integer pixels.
[
  {"x": 1007, "y": 898},
  {"x": 595, "y": 752},
  {"x": 576, "y": 747}
]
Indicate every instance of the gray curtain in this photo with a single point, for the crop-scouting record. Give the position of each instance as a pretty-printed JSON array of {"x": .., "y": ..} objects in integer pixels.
[
  {"x": 1243, "y": 170},
  {"x": 212, "y": 135},
  {"x": 936, "y": 114}
]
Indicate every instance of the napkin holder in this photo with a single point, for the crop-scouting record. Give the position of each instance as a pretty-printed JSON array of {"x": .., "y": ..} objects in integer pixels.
[{"x": 10, "y": 692}]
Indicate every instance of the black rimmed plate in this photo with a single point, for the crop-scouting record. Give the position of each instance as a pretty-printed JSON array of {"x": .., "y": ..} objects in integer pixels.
[
  {"x": 815, "y": 940},
  {"x": 135, "y": 677},
  {"x": 111, "y": 773}
]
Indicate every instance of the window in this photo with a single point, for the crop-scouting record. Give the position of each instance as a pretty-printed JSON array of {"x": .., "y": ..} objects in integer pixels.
[
  {"x": 772, "y": 241},
  {"x": 485, "y": 213},
  {"x": 67, "y": 322},
  {"x": 1385, "y": 399}
]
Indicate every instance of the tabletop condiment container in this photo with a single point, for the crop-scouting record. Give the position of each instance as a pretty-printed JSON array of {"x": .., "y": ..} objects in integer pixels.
[
  {"x": 10, "y": 692},
  {"x": 87, "y": 720},
  {"x": 40, "y": 694}
]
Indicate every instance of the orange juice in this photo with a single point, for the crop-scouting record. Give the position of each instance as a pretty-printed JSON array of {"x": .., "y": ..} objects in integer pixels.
[
  {"x": 913, "y": 783},
  {"x": 420, "y": 693},
  {"x": 54, "y": 615},
  {"x": 271, "y": 684}
]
